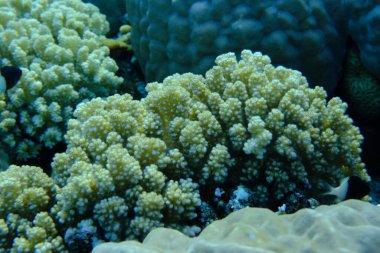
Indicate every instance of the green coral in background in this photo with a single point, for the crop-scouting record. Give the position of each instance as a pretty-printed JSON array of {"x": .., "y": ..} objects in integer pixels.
[
  {"x": 361, "y": 88},
  {"x": 58, "y": 46},
  {"x": 186, "y": 36},
  {"x": 131, "y": 166}
]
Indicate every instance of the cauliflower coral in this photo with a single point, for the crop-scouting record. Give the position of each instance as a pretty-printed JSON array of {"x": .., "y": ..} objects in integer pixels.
[
  {"x": 133, "y": 165},
  {"x": 57, "y": 44},
  {"x": 26, "y": 195}
]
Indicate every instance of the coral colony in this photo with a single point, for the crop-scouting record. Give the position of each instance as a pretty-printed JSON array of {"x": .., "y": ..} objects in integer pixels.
[{"x": 226, "y": 144}]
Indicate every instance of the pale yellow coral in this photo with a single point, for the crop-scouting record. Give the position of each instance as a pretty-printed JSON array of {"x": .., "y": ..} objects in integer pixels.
[
  {"x": 25, "y": 190},
  {"x": 124, "y": 169},
  {"x": 132, "y": 166},
  {"x": 26, "y": 196},
  {"x": 218, "y": 164},
  {"x": 146, "y": 150},
  {"x": 245, "y": 123},
  {"x": 182, "y": 198},
  {"x": 154, "y": 180},
  {"x": 88, "y": 183},
  {"x": 150, "y": 205},
  {"x": 39, "y": 236},
  {"x": 58, "y": 45}
]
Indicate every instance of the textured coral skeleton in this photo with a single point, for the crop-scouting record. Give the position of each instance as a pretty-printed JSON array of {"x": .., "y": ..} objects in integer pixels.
[
  {"x": 196, "y": 148},
  {"x": 310, "y": 36},
  {"x": 131, "y": 166},
  {"x": 58, "y": 46}
]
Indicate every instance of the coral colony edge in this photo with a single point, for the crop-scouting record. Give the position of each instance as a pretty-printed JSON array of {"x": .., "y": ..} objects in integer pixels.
[{"x": 250, "y": 134}]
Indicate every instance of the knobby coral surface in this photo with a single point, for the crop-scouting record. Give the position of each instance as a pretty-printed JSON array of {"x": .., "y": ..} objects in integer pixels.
[
  {"x": 351, "y": 226},
  {"x": 198, "y": 141},
  {"x": 26, "y": 195},
  {"x": 57, "y": 44},
  {"x": 310, "y": 36},
  {"x": 361, "y": 88}
]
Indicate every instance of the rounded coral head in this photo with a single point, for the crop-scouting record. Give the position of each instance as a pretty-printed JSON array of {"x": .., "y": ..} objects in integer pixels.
[{"x": 245, "y": 123}]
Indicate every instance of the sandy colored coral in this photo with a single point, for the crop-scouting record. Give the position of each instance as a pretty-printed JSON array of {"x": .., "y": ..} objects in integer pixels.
[
  {"x": 58, "y": 46},
  {"x": 351, "y": 226},
  {"x": 245, "y": 125}
]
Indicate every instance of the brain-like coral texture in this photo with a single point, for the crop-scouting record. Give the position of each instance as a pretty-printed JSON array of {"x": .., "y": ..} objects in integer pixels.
[
  {"x": 310, "y": 36},
  {"x": 245, "y": 130},
  {"x": 351, "y": 226},
  {"x": 57, "y": 44}
]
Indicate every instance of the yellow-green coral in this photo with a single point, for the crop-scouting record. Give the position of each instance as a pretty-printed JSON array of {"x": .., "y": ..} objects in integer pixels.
[
  {"x": 246, "y": 122},
  {"x": 26, "y": 195},
  {"x": 109, "y": 155},
  {"x": 111, "y": 214},
  {"x": 18, "y": 234},
  {"x": 58, "y": 46},
  {"x": 40, "y": 236},
  {"x": 25, "y": 190}
]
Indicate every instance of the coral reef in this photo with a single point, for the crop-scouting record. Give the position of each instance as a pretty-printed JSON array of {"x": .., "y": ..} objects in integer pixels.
[
  {"x": 195, "y": 148},
  {"x": 131, "y": 166},
  {"x": 351, "y": 226},
  {"x": 186, "y": 36},
  {"x": 58, "y": 45}
]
